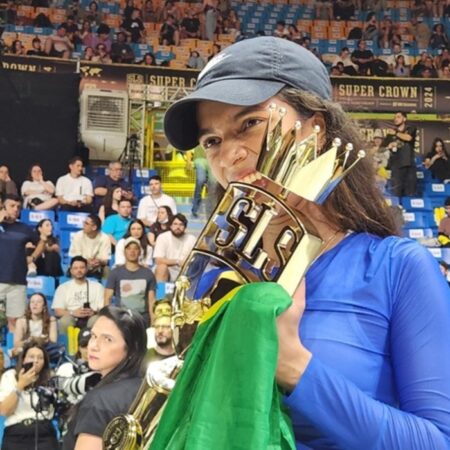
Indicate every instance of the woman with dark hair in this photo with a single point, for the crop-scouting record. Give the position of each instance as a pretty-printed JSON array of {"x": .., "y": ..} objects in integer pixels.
[
  {"x": 115, "y": 350},
  {"x": 18, "y": 398},
  {"x": 439, "y": 38},
  {"x": 163, "y": 219},
  {"x": 438, "y": 160},
  {"x": 37, "y": 325},
  {"x": 356, "y": 345},
  {"x": 149, "y": 60},
  {"x": 110, "y": 203},
  {"x": 37, "y": 192},
  {"x": 136, "y": 229}
]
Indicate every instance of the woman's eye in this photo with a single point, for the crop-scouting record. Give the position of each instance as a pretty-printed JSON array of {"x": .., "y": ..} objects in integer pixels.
[
  {"x": 210, "y": 142},
  {"x": 251, "y": 123}
]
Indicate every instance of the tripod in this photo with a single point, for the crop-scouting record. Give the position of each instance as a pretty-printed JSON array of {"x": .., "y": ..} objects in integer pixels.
[{"x": 131, "y": 157}]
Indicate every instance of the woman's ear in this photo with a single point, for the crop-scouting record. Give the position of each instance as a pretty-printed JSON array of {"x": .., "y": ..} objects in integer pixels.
[{"x": 319, "y": 120}]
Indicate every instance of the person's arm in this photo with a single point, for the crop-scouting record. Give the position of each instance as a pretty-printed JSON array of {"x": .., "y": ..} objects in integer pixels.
[
  {"x": 108, "y": 296},
  {"x": 151, "y": 301},
  {"x": 108, "y": 229},
  {"x": 38, "y": 250},
  {"x": 9, "y": 404},
  {"x": 151, "y": 238},
  {"x": 53, "y": 331},
  {"x": 404, "y": 136},
  {"x": 141, "y": 212},
  {"x": 19, "y": 333},
  {"x": 101, "y": 213},
  {"x": 89, "y": 441}
]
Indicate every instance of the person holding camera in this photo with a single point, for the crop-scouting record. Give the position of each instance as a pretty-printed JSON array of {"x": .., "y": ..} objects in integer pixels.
[{"x": 27, "y": 420}]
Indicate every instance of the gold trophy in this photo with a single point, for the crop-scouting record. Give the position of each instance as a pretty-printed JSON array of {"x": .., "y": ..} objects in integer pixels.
[{"x": 230, "y": 252}]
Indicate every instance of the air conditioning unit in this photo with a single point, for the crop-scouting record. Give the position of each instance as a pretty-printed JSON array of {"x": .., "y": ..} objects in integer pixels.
[{"x": 104, "y": 122}]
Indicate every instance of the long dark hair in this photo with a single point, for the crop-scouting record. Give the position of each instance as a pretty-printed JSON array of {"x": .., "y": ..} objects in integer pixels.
[
  {"x": 143, "y": 239},
  {"x": 356, "y": 204},
  {"x": 45, "y": 373},
  {"x": 45, "y": 315},
  {"x": 108, "y": 200},
  {"x": 433, "y": 146},
  {"x": 157, "y": 228},
  {"x": 51, "y": 239}
]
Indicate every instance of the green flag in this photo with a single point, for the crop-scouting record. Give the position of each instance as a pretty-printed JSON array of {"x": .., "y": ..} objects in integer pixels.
[{"x": 226, "y": 396}]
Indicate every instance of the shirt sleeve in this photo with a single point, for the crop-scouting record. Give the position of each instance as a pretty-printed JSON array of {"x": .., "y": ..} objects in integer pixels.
[
  {"x": 151, "y": 283},
  {"x": 58, "y": 299},
  {"x": 98, "y": 295},
  {"x": 7, "y": 383},
  {"x": 88, "y": 189},
  {"x": 159, "y": 251},
  {"x": 92, "y": 419},
  {"x": 120, "y": 253},
  {"x": 75, "y": 248},
  {"x": 59, "y": 187},
  {"x": 420, "y": 355},
  {"x": 173, "y": 206},
  {"x": 108, "y": 226},
  {"x": 141, "y": 212},
  {"x": 105, "y": 249},
  {"x": 111, "y": 282}
]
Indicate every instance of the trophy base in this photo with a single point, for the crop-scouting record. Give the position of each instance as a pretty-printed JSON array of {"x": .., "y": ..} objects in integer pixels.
[{"x": 123, "y": 433}]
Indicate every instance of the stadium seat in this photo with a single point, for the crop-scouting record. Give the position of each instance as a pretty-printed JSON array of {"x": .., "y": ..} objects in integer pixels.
[
  {"x": 71, "y": 220},
  {"x": 441, "y": 254},
  {"x": 45, "y": 285},
  {"x": 417, "y": 204},
  {"x": 32, "y": 217}
]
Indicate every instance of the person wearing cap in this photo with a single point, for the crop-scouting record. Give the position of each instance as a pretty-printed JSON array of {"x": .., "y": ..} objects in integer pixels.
[
  {"x": 132, "y": 285},
  {"x": 357, "y": 349}
]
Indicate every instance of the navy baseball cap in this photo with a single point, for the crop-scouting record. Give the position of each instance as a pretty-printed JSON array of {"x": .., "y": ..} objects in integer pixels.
[{"x": 244, "y": 74}]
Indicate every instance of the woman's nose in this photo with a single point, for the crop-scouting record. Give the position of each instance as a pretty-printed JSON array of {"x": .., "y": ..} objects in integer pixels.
[{"x": 232, "y": 152}]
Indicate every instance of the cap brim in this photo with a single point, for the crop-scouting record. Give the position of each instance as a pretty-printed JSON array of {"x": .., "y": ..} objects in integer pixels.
[{"x": 180, "y": 120}]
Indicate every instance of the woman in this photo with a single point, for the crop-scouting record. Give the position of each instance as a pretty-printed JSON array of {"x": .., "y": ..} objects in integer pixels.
[
  {"x": 438, "y": 160},
  {"x": 357, "y": 349},
  {"x": 86, "y": 35},
  {"x": 400, "y": 70},
  {"x": 110, "y": 204},
  {"x": 195, "y": 61},
  {"x": 37, "y": 325},
  {"x": 136, "y": 229},
  {"x": 49, "y": 262},
  {"x": 115, "y": 350},
  {"x": 163, "y": 218},
  {"x": 439, "y": 38},
  {"x": 18, "y": 399},
  {"x": 215, "y": 51},
  {"x": 88, "y": 54},
  {"x": 149, "y": 60},
  {"x": 17, "y": 47},
  {"x": 37, "y": 192}
]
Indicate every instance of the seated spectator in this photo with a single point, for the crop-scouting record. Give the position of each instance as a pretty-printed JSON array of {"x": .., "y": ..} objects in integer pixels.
[
  {"x": 363, "y": 58},
  {"x": 169, "y": 33},
  {"x": 102, "y": 37},
  {"x": 17, "y": 397},
  {"x": 445, "y": 72},
  {"x": 172, "y": 249},
  {"x": 93, "y": 245},
  {"x": 110, "y": 204},
  {"x": 439, "y": 38},
  {"x": 442, "y": 59},
  {"x": 88, "y": 54},
  {"x": 59, "y": 45},
  {"x": 92, "y": 15},
  {"x": 7, "y": 185},
  {"x": 148, "y": 60},
  {"x": 148, "y": 205},
  {"x": 420, "y": 64},
  {"x": 74, "y": 191},
  {"x": 86, "y": 35},
  {"x": 420, "y": 31},
  {"x": 343, "y": 9},
  {"x": 171, "y": 9},
  {"x": 42, "y": 21},
  {"x": 36, "y": 48},
  {"x": 114, "y": 178},
  {"x": 77, "y": 301},
  {"x": 48, "y": 264},
  {"x": 392, "y": 59},
  {"x": 400, "y": 69},
  {"x": 101, "y": 55},
  {"x": 150, "y": 13},
  {"x": 190, "y": 25},
  {"x": 121, "y": 52},
  {"x": 216, "y": 48},
  {"x": 116, "y": 226},
  {"x": 136, "y": 229},
  {"x": 72, "y": 31},
  {"x": 370, "y": 30},
  {"x": 10, "y": 12},
  {"x": 438, "y": 161},
  {"x": 132, "y": 285},
  {"x": 163, "y": 347},
  {"x": 232, "y": 24},
  {"x": 429, "y": 67},
  {"x": 134, "y": 27},
  {"x": 163, "y": 220},
  {"x": 128, "y": 10},
  {"x": 195, "y": 61},
  {"x": 17, "y": 48},
  {"x": 350, "y": 68},
  {"x": 324, "y": 9},
  {"x": 37, "y": 325},
  {"x": 281, "y": 30},
  {"x": 38, "y": 193}
]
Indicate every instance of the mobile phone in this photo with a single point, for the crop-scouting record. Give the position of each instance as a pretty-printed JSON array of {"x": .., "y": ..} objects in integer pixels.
[
  {"x": 86, "y": 305},
  {"x": 27, "y": 366}
]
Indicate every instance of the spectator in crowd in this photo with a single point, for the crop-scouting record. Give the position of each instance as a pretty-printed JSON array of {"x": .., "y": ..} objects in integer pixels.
[
  {"x": 37, "y": 325},
  {"x": 132, "y": 285},
  {"x": 429, "y": 66},
  {"x": 211, "y": 14},
  {"x": 388, "y": 35},
  {"x": 88, "y": 54},
  {"x": 93, "y": 245},
  {"x": 445, "y": 72},
  {"x": 14, "y": 236},
  {"x": 190, "y": 26},
  {"x": 445, "y": 270},
  {"x": 149, "y": 60},
  {"x": 17, "y": 397},
  {"x": 392, "y": 58},
  {"x": 42, "y": 21},
  {"x": 59, "y": 45},
  {"x": 162, "y": 224},
  {"x": 294, "y": 33},
  {"x": 92, "y": 15},
  {"x": 169, "y": 33},
  {"x": 17, "y": 48},
  {"x": 7, "y": 185},
  {"x": 78, "y": 300},
  {"x": 10, "y": 12},
  {"x": 73, "y": 31},
  {"x": 401, "y": 141},
  {"x": 163, "y": 347},
  {"x": 74, "y": 191},
  {"x": 420, "y": 31},
  {"x": 49, "y": 262},
  {"x": 446, "y": 9},
  {"x": 343, "y": 9},
  {"x": 420, "y": 64},
  {"x": 400, "y": 69},
  {"x": 101, "y": 55},
  {"x": 324, "y": 9},
  {"x": 121, "y": 52},
  {"x": 171, "y": 9},
  {"x": 148, "y": 205},
  {"x": 350, "y": 68},
  {"x": 370, "y": 30},
  {"x": 442, "y": 59},
  {"x": 439, "y": 38},
  {"x": 115, "y": 226},
  {"x": 128, "y": 10},
  {"x": 232, "y": 24},
  {"x": 110, "y": 203},
  {"x": 172, "y": 248},
  {"x": 379, "y": 153},
  {"x": 102, "y": 37},
  {"x": 438, "y": 161},
  {"x": 136, "y": 230},
  {"x": 36, "y": 48},
  {"x": 37, "y": 192},
  {"x": 115, "y": 350},
  {"x": 150, "y": 13},
  {"x": 281, "y": 29},
  {"x": 363, "y": 58},
  {"x": 195, "y": 61},
  {"x": 214, "y": 51},
  {"x": 86, "y": 34},
  {"x": 114, "y": 178},
  {"x": 134, "y": 27}
]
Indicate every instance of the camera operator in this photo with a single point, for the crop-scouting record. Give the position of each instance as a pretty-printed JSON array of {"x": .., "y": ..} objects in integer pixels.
[{"x": 20, "y": 401}]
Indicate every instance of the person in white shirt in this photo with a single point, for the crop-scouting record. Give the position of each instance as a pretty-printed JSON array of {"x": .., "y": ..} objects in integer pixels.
[
  {"x": 75, "y": 191},
  {"x": 76, "y": 301},
  {"x": 93, "y": 245},
  {"x": 172, "y": 248},
  {"x": 38, "y": 193},
  {"x": 148, "y": 205}
]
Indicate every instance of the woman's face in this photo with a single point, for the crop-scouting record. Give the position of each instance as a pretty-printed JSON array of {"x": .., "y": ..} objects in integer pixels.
[
  {"x": 106, "y": 348},
  {"x": 162, "y": 215},
  {"x": 36, "y": 305},
  {"x": 232, "y": 136},
  {"x": 439, "y": 147},
  {"x": 117, "y": 194},
  {"x": 46, "y": 228},
  {"x": 36, "y": 356},
  {"x": 36, "y": 173},
  {"x": 136, "y": 231}
]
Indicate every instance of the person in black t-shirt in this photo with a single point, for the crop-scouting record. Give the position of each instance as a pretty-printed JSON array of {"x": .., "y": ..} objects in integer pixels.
[
  {"x": 363, "y": 58},
  {"x": 438, "y": 160},
  {"x": 134, "y": 26},
  {"x": 115, "y": 350},
  {"x": 169, "y": 33}
]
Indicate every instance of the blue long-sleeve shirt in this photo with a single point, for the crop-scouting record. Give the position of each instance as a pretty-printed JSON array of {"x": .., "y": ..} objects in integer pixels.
[{"x": 377, "y": 322}]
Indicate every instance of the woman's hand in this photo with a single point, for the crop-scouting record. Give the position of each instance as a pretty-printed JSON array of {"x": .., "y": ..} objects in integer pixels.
[
  {"x": 293, "y": 357},
  {"x": 26, "y": 378}
]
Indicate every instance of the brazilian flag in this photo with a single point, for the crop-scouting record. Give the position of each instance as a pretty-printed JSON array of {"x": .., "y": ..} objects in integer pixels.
[{"x": 226, "y": 396}]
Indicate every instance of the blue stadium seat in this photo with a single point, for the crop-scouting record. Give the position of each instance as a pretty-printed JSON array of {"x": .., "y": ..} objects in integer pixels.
[
  {"x": 32, "y": 218},
  {"x": 65, "y": 239},
  {"x": 437, "y": 189},
  {"x": 417, "y": 204},
  {"x": 71, "y": 220},
  {"x": 46, "y": 285},
  {"x": 414, "y": 220},
  {"x": 418, "y": 233},
  {"x": 441, "y": 254}
]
